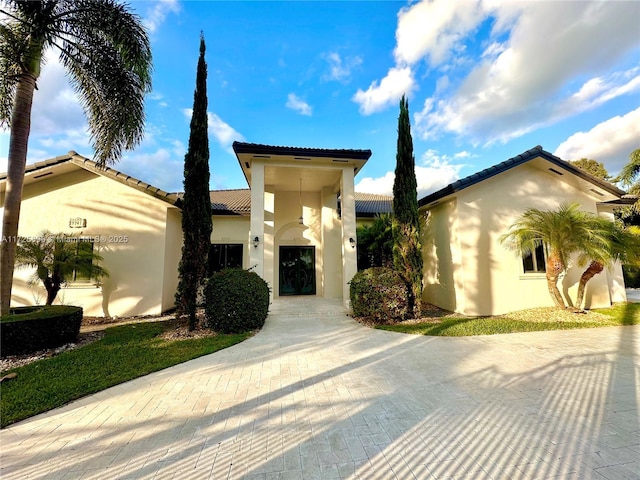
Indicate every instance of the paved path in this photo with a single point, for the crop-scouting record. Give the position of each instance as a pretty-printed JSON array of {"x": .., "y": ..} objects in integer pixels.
[{"x": 315, "y": 395}]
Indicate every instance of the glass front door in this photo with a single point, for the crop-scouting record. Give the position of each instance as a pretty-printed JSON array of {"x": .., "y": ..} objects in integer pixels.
[{"x": 297, "y": 271}]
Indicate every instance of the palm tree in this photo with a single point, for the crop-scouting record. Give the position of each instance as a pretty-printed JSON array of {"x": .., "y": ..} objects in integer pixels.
[
  {"x": 565, "y": 231},
  {"x": 621, "y": 245},
  {"x": 106, "y": 52},
  {"x": 58, "y": 259},
  {"x": 630, "y": 176}
]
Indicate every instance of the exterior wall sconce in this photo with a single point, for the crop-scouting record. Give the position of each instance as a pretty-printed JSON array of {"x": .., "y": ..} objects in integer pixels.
[
  {"x": 352, "y": 242},
  {"x": 256, "y": 242},
  {"x": 301, "y": 220}
]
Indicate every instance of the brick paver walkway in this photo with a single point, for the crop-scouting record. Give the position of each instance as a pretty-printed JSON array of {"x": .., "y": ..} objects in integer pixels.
[{"x": 315, "y": 395}]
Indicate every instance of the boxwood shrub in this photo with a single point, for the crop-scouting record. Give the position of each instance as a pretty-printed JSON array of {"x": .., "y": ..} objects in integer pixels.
[
  {"x": 379, "y": 294},
  {"x": 236, "y": 301},
  {"x": 28, "y": 329}
]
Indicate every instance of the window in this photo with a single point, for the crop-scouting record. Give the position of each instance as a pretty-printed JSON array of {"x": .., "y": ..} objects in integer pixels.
[
  {"x": 535, "y": 262},
  {"x": 224, "y": 255},
  {"x": 78, "y": 255}
]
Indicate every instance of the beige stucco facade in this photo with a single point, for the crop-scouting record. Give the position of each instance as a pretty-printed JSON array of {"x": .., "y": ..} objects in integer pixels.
[
  {"x": 468, "y": 269},
  {"x": 302, "y": 198},
  {"x": 138, "y": 235}
]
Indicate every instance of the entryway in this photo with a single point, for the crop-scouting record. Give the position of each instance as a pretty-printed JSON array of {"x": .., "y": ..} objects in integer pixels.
[{"x": 297, "y": 270}]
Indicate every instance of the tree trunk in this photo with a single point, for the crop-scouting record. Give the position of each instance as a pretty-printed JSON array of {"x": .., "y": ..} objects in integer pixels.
[
  {"x": 554, "y": 268},
  {"x": 592, "y": 270},
  {"x": 52, "y": 288},
  {"x": 18, "y": 143}
]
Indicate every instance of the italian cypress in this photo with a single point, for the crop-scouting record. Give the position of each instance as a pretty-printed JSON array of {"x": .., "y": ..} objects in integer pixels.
[
  {"x": 196, "y": 203},
  {"x": 407, "y": 255}
]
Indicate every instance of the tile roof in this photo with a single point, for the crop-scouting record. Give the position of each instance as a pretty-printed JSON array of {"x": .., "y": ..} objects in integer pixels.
[
  {"x": 238, "y": 202},
  {"x": 92, "y": 166},
  {"x": 261, "y": 149},
  {"x": 524, "y": 157}
]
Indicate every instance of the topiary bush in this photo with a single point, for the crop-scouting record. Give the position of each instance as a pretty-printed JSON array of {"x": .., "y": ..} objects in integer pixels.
[
  {"x": 236, "y": 301},
  {"x": 379, "y": 294},
  {"x": 28, "y": 329}
]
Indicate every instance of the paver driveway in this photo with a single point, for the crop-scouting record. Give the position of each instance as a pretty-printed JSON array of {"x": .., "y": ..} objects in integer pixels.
[{"x": 315, "y": 395}]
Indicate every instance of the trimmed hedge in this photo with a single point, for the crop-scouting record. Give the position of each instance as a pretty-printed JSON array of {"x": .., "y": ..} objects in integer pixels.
[
  {"x": 380, "y": 294},
  {"x": 236, "y": 301},
  {"x": 28, "y": 329}
]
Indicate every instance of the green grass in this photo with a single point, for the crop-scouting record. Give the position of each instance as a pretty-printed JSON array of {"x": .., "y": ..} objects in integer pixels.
[
  {"x": 126, "y": 352},
  {"x": 621, "y": 314}
]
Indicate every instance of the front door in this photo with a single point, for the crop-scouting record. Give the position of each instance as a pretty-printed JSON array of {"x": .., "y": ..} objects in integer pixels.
[{"x": 297, "y": 271}]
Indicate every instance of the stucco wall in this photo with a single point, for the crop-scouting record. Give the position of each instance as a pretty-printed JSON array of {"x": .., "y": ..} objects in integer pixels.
[
  {"x": 131, "y": 226},
  {"x": 492, "y": 276}
]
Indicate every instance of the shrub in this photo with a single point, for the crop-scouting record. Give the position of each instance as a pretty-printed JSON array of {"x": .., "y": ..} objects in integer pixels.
[
  {"x": 631, "y": 276},
  {"x": 379, "y": 294},
  {"x": 28, "y": 329},
  {"x": 236, "y": 301}
]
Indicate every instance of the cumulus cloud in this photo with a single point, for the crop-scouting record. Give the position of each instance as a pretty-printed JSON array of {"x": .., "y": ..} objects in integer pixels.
[
  {"x": 157, "y": 12},
  {"x": 609, "y": 142},
  {"x": 433, "y": 172},
  {"x": 434, "y": 29},
  {"x": 160, "y": 168},
  {"x": 378, "y": 96},
  {"x": 222, "y": 132},
  {"x": 524, "y": 83},
  {"x": 339, "y": 69},
  {"x": 295, "y": 103}
]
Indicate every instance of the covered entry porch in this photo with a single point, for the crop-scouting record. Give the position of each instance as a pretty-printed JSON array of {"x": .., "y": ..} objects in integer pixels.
[{"x": 303, "y": 221}]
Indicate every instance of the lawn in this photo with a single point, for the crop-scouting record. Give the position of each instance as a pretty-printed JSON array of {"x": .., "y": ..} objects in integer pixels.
[
  {"x": 124, "y": 353},
  {"x": 526, "y": 321}
]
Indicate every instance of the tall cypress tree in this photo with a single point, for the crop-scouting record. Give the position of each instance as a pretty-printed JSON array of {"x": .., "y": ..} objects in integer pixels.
[
  {"x": 196, "y": 206},
  {"x": 407, "y": 255}
]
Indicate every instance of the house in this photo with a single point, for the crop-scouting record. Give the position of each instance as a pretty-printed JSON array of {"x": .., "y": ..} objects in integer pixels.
[
  {"x": 296, "y": 227},
  {"x": 299, "y": 235},
  {"x": 469, "y": 271}
]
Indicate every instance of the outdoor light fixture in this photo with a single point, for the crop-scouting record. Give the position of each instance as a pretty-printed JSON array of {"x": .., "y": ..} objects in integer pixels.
[
  {"x": 352, "y": 242},
  {"x": 256, "y": 242},
  {"x": 300, "y": 218}
]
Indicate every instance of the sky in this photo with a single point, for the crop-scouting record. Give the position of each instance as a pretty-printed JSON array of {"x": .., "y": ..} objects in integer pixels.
[{"x": 485, "y": 80}]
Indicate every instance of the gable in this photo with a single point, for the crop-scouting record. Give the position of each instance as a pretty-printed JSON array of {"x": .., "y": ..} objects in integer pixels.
[
  {"x": 558, "y": 170},
  {"x": 45, "y": 171}
]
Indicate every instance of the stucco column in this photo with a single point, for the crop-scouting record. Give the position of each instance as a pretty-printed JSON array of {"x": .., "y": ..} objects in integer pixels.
[
  {"x": 256, "y": 229},
  {"x": 348, "y": 208}
]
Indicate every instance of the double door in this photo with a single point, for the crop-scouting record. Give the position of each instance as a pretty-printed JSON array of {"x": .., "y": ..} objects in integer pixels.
[{"x": 297, "y": 271}]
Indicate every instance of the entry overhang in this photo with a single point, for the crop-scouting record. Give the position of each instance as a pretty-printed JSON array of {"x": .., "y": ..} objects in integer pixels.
[{"x": 285, "y": 167}]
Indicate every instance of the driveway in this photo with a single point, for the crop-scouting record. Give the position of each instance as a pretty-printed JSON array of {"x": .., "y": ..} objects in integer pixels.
[{"x": 316, "y": 395}]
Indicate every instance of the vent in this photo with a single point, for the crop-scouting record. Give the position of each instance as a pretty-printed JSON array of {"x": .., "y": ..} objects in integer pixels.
[
  {"x": 301, "y": 158},
  {"x": 262, "y": 156},
  {"x": 337, "y": 160},
  {"x": 246, "y": 164},
  {"x": 555, "y": 171},
  {"x": 43, "y": 175},
  {"x": 600, "y": 194}
]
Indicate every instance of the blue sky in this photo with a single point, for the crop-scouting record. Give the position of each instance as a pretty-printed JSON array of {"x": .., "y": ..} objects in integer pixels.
[{"x": 485, "y": 80}]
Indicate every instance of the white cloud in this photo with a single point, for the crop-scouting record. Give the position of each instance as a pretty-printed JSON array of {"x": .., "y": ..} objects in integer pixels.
[
  {"x": 297, "y": 104},
  {"x": 339, "y": 69},
  {"x": 435, "y": 172},
  {"x": 524, "y": 83},
  {"x": 434, "y": 29},
  {"x": 398, "y": 82},
  {"x": 160, "y": 168},
  {"x": 157, "y": 13},
  {"x": 223, "y": 133},
  {"x": 609, "y": 142},
  {"x": 56, "y": 107}
]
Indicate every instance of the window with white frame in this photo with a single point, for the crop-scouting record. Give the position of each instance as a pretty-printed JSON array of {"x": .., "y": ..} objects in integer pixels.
[{"x": 536, "y": 261}]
